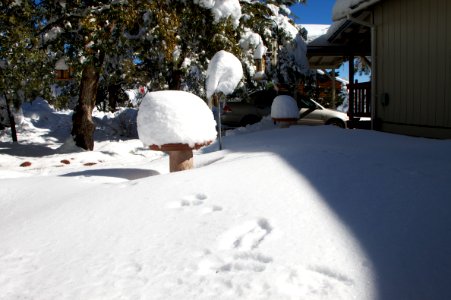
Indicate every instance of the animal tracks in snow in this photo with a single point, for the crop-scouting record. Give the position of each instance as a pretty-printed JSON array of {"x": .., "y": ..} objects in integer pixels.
[
  {"x": 129, "y": 275},
  {"x": 237, "y": 250},
  {"x": 242, "y": 262},
  {"x": 246, "y": 236},
  {"x": 195, "y": 200}
]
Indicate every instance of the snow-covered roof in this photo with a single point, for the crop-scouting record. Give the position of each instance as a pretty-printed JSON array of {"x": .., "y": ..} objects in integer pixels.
[
  {"x": 329, "y": 49},
  {"x": 323, "y": 39},
  {"x": 342, "y": 8},
  {"x": 321, "y": 60},
  {"x": 315, "y": 30},
  {"x": 61, "y": 64}
]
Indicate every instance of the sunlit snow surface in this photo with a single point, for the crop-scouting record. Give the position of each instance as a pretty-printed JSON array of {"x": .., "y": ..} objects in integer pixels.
[{"x": 297, "y": 213}]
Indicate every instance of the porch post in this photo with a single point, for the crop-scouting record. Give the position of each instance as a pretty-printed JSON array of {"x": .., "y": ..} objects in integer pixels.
[
  {"x": 373, "y": 74},
  {"x": 334, "y": 94},
  {"x": 351, "y": 87}
]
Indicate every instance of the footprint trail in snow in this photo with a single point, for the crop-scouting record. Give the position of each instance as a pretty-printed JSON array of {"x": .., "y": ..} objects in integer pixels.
[{"x": 238, "y": 265}]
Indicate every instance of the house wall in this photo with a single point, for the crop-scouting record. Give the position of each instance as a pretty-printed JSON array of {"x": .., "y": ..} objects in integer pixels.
[{"x": 413, "y": 67}]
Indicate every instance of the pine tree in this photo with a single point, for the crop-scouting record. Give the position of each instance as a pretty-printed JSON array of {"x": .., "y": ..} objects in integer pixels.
[
  {"x": 24, "y": 68},
  {"x": 91, "y": 34},
  {"x": 180, "y": 37},
  {"x": 164, "y": 44},
  {"x": 271, "y": 21}
]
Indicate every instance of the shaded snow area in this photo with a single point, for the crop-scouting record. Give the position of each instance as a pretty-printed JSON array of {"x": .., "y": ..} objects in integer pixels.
[{"x": 297, "y": 213}]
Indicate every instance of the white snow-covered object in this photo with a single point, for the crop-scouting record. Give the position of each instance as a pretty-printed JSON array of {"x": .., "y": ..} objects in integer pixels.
[
  {"x": 298, "y": 50},
  {"x": 315, "y": 30},
  {"x": 222, "y": 9},
  {"x": 61, "y": 64},
  {"x": 284, "y": 107},
  {"x": 175, "y": 117},
  {"x": 342, "y": 8},
  {"x": 253, "y": 41},
  {"x": 223, "y": 74}
]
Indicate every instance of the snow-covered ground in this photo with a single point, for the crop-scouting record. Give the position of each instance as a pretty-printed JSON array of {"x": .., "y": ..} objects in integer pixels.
[{"x": 296, "y": 213}]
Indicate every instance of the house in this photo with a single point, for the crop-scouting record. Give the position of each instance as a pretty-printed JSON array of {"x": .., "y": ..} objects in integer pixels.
[
  {"x": 407, "y": 44},
  {"x": 326, "y": 89},
  {"x": 62, "y": 70}
]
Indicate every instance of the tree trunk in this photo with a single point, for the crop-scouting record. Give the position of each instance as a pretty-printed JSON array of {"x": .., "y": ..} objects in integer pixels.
[
  {"x": 82, "y": 124},
  {"x": 113, "y": 96},
  {"x": 12, "y": 121},
  {"x": 175, "y": 82}
]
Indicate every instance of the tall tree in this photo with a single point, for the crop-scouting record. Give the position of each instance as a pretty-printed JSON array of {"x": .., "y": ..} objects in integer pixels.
[
  {"x": 88, "y": 32},
  {"x": 176, "y": 41},
  {"x": 165, "y": 43},
  {"x": 267, "y": 26},
  {"x": 24, "y": 68}
]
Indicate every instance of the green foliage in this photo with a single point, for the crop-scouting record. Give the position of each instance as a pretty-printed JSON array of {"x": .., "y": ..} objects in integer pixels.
[
  {"x": 24, "y": 69},
  {"x": 160, "y": 43},
  {"x": 180, "y": 39}
]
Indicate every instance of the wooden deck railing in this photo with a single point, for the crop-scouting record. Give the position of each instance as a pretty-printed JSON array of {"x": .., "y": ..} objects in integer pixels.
[{"x": 360, "y": 100}]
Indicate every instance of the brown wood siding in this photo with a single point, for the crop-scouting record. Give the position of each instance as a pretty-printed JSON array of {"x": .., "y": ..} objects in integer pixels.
[
  {"x": 440, "y": 113},
  {"x": 414, "y": 62},
  {"x": 447, "y": 96}
]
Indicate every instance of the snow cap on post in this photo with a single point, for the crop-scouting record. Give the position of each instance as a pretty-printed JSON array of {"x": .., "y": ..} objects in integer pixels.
[
  {"x": 175, "y": 117},
  {"x": 223, "y": 74},
  {"x": 284, "y": 110},
  {"x": 175, "y": 122}
]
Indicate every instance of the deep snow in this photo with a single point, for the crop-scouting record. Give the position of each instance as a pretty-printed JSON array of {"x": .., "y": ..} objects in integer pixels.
[{"x": 297, "y": 213}]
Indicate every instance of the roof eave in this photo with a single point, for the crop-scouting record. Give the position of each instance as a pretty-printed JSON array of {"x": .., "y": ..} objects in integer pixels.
[{"x": 359, "y": 7}]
